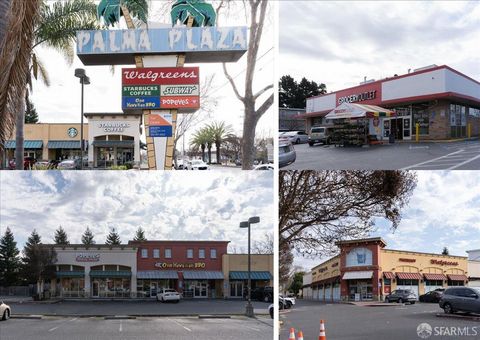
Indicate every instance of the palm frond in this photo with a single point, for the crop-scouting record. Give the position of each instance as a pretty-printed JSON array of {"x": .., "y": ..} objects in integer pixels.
[{"x": 43, "y": 73}]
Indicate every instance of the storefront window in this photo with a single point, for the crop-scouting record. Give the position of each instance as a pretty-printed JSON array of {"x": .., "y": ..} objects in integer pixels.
[
  {"x": 190, "y": 253},
  {"x": 168, "y": 253},
  {"x": 156, "y": 253},
  {"x": 201, "y": 253},
  {"x": 433, "y": 282},
  {"x": 455, "y": 283},
  {"x": 422, "y": 118},
  {"x": 144, "y": 253},
  {"x": 213, "y": 253}
]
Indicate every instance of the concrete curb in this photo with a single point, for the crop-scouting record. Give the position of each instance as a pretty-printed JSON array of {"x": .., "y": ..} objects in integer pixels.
[
  {"x": 458, "y": 316},
  {"x": 133, "y": 316},
  {"x": 200, "y": 316},
  {"x": 17, "y": 316},
  {"x": 119, "y": 317}
]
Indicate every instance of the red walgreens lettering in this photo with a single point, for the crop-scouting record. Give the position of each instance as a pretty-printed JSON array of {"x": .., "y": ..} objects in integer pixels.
[{"x": 161, "y": 76}]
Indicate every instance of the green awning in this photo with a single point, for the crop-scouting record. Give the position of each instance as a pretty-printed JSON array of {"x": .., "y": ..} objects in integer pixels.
[
  {"x": 63, "y": 144},
  {"x": 254, "y": 275},
  {"x": 112, "y": 143},
  {"x": 110, "y": 273},
  {"x": 202, "y": 275},
  {"x": 70, "y": 274},
  {"x": 157, "y": 274},
  {"x": 28, "y": 144}
]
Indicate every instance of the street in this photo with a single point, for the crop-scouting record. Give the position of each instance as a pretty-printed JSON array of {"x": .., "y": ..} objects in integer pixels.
[
  {"x": 137, "y": 308},
  {"x": 463, "y": 155},
  {"x": 141, "y": 328},
  {"x": 350, "y": 322}
]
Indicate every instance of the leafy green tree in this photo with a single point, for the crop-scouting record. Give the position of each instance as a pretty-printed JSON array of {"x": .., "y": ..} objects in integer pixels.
[
  {"x": 87, "y": 237},
  {"x": 200, "y": 140},
  {"x": 113, "y": 238},
  {"x": 294, "y": 95},
  {"x": 445, "y": 251},
  {"x": 31, "y": 116},
  {"x": 218, "y": 132},
  {"x": 140, "y": 235},
  {"x": 61, "y": 236},
  {"x": 9, "y": 260},
  {"x": 297, "y": 282}
]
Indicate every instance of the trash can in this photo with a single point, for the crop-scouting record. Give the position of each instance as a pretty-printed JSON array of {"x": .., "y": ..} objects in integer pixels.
[{"x": 391, "y": 138}]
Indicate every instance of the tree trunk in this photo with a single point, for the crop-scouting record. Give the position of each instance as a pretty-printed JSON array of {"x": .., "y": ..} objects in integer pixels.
[
  {"x": 203, "y": 152},
  {"x": 19, "y": 137},
  {"x": 217, "y": 146},
  {"x": 209, "y": 148},
  {"x": 248, "y": 140}
]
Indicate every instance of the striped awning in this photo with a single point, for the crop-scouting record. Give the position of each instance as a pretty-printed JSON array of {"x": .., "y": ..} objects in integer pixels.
[
  {"x": 254, "y": 275},
  {"x": 358, "y": 275},
  {"x": 435, "y": 277},
  {"x": 110, "y": 273},
  {"x": 70, "y": 274},
  {"x": 453, "y": 277},
  {"x": 409, "y": 276},
  {"x": 202, "y": 275},
  {"x": 157, "y": 274},
  {"x": 351, "y": 110},
  {"x": 27, "y": 144},
  {"x": 112, "y": 143},
  {"x": 63, "y": 144},
  {"x": 389, "y": 275}
]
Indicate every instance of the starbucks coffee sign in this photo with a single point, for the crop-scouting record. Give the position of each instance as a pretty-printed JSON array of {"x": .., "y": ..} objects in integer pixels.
[
  {"x": 358, "y": 97},
  {"x": 86, "y": 257},
  {"x": 113, "y": 126},
  {"x": 72, "y": 132},
  {"x": 177, "y": 265}
]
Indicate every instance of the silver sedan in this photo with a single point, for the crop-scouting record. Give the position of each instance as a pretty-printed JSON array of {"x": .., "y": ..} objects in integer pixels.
[{"x": 4, "y": 311}]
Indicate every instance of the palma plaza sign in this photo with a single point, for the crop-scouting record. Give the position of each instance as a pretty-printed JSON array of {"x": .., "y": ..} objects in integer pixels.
[{"x": 200, "y": 44}]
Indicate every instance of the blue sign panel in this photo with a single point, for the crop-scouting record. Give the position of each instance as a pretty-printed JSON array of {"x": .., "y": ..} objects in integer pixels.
[
  {"x": 104, "y": 47},
  {"x": 141, "y": 103},
  {"x": 161, "y": 131}
]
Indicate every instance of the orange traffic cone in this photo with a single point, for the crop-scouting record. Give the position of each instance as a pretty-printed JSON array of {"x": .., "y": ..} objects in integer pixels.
[
  {"x": 300, "y": 335},
  {"x": 292, "y": 334},
  {"x": 322, "y": 335}
]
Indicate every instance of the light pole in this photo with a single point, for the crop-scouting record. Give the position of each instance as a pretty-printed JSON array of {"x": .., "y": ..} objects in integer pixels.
[
  {"x": 249, "y": 307},
  {"x": 84, "y": 80}
]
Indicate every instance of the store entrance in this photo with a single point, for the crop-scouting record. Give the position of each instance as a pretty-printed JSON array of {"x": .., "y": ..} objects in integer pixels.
[
  {"x": 396, "y": 126},
  {"x": 360, "y": 290},
  {"x": 199, "y": 289},
  {"x": 236, "y": 289}
]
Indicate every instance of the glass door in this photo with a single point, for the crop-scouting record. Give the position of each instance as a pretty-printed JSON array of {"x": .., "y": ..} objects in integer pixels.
[
  {"x": 236, "y": 289},
  {"x": 407, "y": 128},
  {"x": 95, "y": 289},
  {"x": 386, "y": 128}
]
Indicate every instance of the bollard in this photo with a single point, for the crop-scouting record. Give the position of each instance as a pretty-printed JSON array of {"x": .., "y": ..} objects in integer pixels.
[
  {"x": 469, "y": 130},
  {"x": 417, "y": 132},
  {"x": 322, "y": 335}
]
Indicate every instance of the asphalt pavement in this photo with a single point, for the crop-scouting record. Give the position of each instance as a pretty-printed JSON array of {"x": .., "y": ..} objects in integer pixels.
[
  {"x": 391, "y": 321},
  {"x": 137, "y": 308},
  {"x": 174, "y": 328},
  {"x": 464, "y": 155}
]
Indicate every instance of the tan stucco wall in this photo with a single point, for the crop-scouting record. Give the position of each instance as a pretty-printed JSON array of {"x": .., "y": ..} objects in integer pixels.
[{"x": 330, "y": 268}]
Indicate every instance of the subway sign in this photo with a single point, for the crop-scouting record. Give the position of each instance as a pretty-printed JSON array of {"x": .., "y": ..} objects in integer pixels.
[
  {"x": 200, "y": 44},
  {"x": 177, "y": 265},
  {"x": 161, "y": 88}
]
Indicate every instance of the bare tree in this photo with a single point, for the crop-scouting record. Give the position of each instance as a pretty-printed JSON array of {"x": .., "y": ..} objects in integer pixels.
[
  {"x": 319, "y": 208},
  {"x": 264, "y": 246},
  {"x": 258, "y": 9}
]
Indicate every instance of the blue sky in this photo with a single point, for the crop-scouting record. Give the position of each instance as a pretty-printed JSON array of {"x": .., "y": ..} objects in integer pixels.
[
  {"x": 168, "y": 205},
  {"x": 444, "y": 211}
]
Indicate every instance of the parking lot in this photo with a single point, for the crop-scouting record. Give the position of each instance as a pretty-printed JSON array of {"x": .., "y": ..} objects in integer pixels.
[
  {"x": 463, "y": 155},
  {"x": 141, "y": 328},
  {"x": 391, "y": 321},
  {"x": 137, "y": 308}
]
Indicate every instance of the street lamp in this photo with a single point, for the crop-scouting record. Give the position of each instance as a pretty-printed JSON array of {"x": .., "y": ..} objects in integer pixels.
[
  {"x": 84, "y": 80},
  {"x": 249, "y": 307}
]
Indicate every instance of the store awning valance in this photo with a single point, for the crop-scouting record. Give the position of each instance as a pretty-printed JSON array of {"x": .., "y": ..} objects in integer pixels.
[
  {"x": 453, "y": 277},
  {"x": 409, "y": 276},
  {"x": 434, "y": 277},
  {"x": 389, "y": 275},
  {"x": 202, "y": 275},
  {"x": 350, "y": 111},
  {"x": 157, "y": 274},
  {"x": 28, "y": 144},
  {"x": 254, "y": 275},
  {"x": 63, "y": 144},
  {"x": 110, "y": 273},
  {"x": 112, "y": 143},
  {"x": 358, "y": 275},
  {"x": 70, "y": 274}
]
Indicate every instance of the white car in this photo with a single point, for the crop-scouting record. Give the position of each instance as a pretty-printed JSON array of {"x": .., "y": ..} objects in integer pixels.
[
  {"x": 4, "y": 311},
  {"x": 166, "y": 294},
  {"x": 196, "y": 164},
  {"x": 264, "y": 167},
  {"x": 289, "y": 301}
]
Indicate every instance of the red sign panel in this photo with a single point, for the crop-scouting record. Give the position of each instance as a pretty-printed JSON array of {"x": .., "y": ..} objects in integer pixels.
[
  {"x": 160, "y": 76},
  {"x": 363, "y": 94}
]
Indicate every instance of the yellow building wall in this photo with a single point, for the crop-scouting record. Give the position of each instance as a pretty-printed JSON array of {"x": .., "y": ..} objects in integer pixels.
[
  {"x": 239, "y": 262},
  {"x": 326, "y": 270},
  {"x": 390, "y": 262}
]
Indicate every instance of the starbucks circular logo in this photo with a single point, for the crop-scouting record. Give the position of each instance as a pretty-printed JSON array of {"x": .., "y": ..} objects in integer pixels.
[
  {"x": 424, "y": 330},
  {"x": 72, "y": 132}
]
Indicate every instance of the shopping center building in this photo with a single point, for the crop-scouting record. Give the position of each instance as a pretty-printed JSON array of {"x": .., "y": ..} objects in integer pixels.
[
  {"x": 474, "y": 268},
  {"x": 442, "y": 101},
  {"x": 196, "y": 269},
  {"x": 364, "y": 270}
]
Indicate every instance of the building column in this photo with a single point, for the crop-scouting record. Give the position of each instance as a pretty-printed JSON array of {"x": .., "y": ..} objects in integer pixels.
[
  {"x": 136, "y": 152},
  {"x": 87, "y": 282},
  {"x": 133, "y": 285},
  {"x": 91, "y": 154}
]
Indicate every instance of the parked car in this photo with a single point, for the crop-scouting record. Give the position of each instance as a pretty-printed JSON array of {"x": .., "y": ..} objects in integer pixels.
[
  {"x": 432, "y": 296},
  {"x": 461, "y": 299},
  {"x": 286, "y": 153},
  {"x": 401, "y": 296},
  {"x": 295, "y": 137},
  {"x": 196, "y": 164},
  {"x": 28, "y": 163},
  {"x": 179, "y": 164},
  {"x": 320, "y": 134},
  {"x": 264, "y": 167},
  {"x": 289, "y": 301},
  {"x": 281, "y": 303},
  {"x": 264, "y": 294},
  {"x": 167, "y": 294},
  {"x": 271, "y": 310},
  {"x": 5, "y": 311},
  {"x": 69, "y": 164}
]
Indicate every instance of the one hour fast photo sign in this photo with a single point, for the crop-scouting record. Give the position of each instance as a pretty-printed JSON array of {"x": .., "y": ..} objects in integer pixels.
[{"x": 161, "y": 88}]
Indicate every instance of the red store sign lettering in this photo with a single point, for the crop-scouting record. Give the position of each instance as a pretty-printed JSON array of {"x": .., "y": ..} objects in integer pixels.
[{"x": 444, "y": 263}]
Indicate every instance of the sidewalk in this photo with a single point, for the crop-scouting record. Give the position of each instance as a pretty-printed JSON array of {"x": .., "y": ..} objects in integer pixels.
[{"x": 371, "y": 304}]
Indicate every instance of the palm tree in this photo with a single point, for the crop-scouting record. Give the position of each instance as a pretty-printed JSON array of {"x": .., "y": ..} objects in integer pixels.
[
  {"x": 200, "y": 140},
  {"x": 203, "y": 14},
  {"x": 111, "y": 10},
  {"x": 218, "y": 133}
]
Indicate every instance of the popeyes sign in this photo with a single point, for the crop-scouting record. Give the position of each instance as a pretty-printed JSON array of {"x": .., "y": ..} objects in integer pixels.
[
  {"x": 161, "y": 88},
  {"x": 177, "y": 265}
]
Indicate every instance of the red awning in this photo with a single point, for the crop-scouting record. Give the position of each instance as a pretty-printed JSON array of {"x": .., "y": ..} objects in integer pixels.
[
  {"x": 389, "y": 275},
  {"x": 437, "y": 277},
  {"x": 409, "y": 276},
  {"x": 457, "y": 277}
]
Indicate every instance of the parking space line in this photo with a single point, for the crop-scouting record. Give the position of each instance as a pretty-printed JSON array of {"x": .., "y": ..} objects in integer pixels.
[
  {"x": 465, "y": 162},
  {"x": 252, "y": 328},
  {"x": 120, "y": 329},
  {"x": 178, "y": 323},
  {"x": 431, "y": 160}
]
